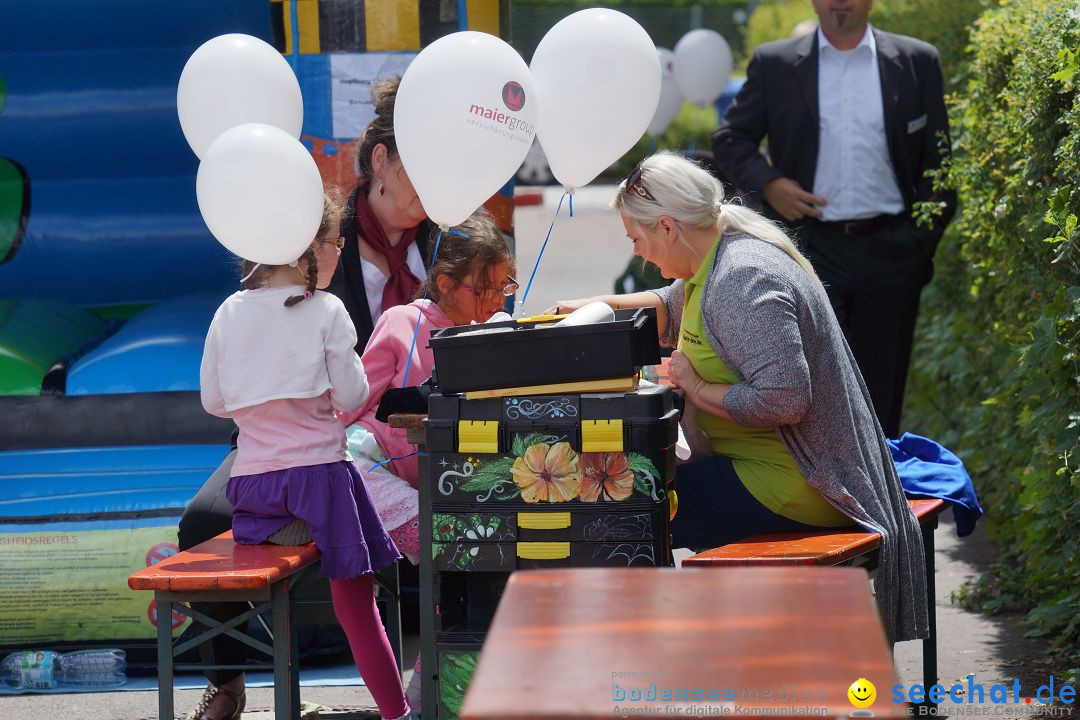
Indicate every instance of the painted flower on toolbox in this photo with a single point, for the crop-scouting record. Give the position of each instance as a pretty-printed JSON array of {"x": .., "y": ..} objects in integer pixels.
[
  {"x": 548, "y": 473},
  {"x": 606, "y": 476}
]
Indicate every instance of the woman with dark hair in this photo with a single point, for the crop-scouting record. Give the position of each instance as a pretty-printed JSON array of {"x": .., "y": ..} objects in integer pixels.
[{"x": 385, "y": 229}]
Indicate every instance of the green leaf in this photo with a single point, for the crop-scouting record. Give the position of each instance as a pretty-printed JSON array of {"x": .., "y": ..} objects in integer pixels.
[
  {"x": 455, "y": 672},
  {"x": 646, "y": 476}
]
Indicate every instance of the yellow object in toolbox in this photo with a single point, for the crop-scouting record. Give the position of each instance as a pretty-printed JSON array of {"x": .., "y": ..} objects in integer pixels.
[
  {"x": 543, "y": 520},
  {"x": 601, "y": 435},
  {"x": 543, "y": 550},
  {"x": 478, "y": 436}
]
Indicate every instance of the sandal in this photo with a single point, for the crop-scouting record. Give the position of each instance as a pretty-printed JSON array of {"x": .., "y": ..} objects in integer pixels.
[{"x": 212, "y": 691}]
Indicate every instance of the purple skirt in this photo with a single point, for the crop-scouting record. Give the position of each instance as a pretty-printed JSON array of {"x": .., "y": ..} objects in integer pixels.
[{"x": 331, "y": 499}]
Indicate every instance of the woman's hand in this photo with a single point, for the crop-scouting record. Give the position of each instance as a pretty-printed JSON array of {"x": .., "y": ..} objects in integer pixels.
[
  {"x": 565, "y": 307},
  {"x": 706, "y": 396},
  {"x": 684, "y": 375}
]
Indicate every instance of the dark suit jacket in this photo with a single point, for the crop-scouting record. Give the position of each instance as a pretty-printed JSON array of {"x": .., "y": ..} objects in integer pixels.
[
  {"x": 779, "y": 101},
  {"x": 348, "y": 282}
]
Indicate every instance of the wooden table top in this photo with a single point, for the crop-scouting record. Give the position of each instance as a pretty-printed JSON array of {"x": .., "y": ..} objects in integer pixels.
[{"x": 564, "y": 644}]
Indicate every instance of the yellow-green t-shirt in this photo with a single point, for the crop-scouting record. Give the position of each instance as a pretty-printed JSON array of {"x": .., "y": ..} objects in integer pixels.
[{"x": 760, "y": 459}]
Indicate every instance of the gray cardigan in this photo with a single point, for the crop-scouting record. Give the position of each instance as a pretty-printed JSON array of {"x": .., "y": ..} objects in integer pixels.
[{"x": 769, "y": 322}]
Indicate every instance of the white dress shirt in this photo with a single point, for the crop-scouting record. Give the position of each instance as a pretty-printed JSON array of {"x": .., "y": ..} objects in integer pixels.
[
  {"x": 375, "y": 281},
  {"x": 854, "y": 172}
]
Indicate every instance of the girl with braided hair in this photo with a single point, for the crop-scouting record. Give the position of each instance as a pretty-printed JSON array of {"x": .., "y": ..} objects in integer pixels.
[{"x": 279, "y": 361}]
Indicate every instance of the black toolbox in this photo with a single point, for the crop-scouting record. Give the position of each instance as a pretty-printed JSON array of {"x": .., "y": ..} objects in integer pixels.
[
  {"x": 532, "y": 353},
  {"x": 550, "y": 480},
  {"x": 533, "y": 481}
]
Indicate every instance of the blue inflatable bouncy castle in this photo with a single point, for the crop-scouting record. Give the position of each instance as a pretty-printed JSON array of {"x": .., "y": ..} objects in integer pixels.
[
  {"x": 109, "y": 277},
  {"x": 108, "y": 280}
]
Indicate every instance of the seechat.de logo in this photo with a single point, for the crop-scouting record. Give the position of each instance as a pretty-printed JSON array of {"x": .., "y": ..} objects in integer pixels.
[{"x": 513, "y": 95}]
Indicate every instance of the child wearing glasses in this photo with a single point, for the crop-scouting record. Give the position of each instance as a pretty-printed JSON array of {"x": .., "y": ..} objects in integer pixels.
[
  {"x": 470, "y": 281},
  {"x": 279, "y": 361}
]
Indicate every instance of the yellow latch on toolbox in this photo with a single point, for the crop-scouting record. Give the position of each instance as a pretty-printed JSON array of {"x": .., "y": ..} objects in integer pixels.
[
  {"x": 601, "y": 436},
  {"x": 478, "y": 436},
  {"x": 543, "y": 550},
  {"x": 543, "y": 521}
]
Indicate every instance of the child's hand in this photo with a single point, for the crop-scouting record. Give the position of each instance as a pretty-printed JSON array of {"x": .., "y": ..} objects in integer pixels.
[{"x": 684, "y": 375}]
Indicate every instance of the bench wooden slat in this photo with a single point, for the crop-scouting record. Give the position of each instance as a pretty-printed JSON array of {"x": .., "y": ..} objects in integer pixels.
[
  {"x": 221, "y": 564},
  {"x": 824, "y": 547}
]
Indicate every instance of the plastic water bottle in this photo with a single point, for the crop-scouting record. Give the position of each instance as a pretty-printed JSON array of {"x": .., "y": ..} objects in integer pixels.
[{"x": 82, "y": 669}]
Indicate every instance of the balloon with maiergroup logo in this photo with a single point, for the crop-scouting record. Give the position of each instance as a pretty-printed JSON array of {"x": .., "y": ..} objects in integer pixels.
[{"x": 464, "y": 118}]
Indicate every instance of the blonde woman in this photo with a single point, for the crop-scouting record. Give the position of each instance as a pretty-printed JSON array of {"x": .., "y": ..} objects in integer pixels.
[{"x": 761, "y": 359}]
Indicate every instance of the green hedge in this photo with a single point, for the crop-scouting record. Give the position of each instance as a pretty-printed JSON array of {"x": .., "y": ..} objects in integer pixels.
[
  {"x": 943, "y": 24},
  {"x": 774, "y": 20},
  {"x": 996, "y": 366}
]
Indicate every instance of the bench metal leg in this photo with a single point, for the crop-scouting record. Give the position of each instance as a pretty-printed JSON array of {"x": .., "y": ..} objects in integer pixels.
[
  {"x": 929, "y": 645},
  {"x": 286, "y": 655},
  {"x": 165, "y": 657}
]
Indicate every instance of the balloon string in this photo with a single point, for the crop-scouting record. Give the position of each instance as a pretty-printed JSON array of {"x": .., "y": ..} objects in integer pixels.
[
  {"x": 378, "y": 465},
  {"x": 693, "y": 145},
  {"x": 543, "y": 247},
  {"x": 571, "y": 205},
  {"x": 419, "y": 317},
  {"x": 652, "y": 145}
]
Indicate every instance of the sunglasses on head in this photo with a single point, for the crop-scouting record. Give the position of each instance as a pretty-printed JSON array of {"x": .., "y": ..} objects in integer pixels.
[{"x": 636, "y": 186}]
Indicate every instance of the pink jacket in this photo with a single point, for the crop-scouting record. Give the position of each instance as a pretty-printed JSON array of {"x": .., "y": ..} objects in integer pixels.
[{"x": 384, "y": 361}]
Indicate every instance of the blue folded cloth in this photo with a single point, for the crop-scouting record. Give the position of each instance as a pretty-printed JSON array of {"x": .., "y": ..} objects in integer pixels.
[{"x": 927, "y": 469}]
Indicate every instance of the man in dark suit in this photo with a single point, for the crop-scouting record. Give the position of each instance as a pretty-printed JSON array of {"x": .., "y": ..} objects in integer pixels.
[{"x": 855, "y": 121}]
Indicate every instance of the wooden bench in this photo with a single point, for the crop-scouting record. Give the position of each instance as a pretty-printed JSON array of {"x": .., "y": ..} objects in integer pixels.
[
  {"x": 265, "y": 575},
  {"x": 835, "y": 547},
  {"x": 562, "y": 640}
]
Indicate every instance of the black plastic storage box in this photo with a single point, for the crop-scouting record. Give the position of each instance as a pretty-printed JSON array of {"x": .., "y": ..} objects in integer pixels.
[
  {"x": 550, "y": 480},
  {"x": 530, "y": 354},
  {"x": 533, "y": 481}
]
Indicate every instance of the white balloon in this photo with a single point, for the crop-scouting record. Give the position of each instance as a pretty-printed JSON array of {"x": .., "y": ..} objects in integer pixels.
[
  {"x": 260, "y": 193},
  {"x": 671, "y": 98},
  {"x": 464, "y": 118},
  {"x": 598, "y": 78},
  {"x": 703, "y": 64},
  {"x": 235, "y": 79}
]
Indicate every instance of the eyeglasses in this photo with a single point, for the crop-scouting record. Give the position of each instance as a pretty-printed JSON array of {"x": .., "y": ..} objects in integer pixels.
[
  {"x": 339, "y": 243},
  {"x": 507, "y": 290},
  {"x": 634, "y": 184}
]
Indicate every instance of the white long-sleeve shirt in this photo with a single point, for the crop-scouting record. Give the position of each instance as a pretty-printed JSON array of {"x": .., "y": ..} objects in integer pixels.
[
  {"x": 280, "y": 373},
  {"x": 854, "y": 171}
]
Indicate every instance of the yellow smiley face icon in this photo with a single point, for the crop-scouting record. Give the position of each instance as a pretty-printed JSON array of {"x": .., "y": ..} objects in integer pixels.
[{"x": 862, "y": 693}]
